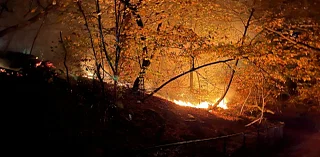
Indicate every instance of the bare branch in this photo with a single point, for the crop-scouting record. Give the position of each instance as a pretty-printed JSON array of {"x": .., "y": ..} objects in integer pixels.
[
  {"x": 253, "y": 122},
  {"x": 36, "y": 36},
  {"x": 237, "y": 61},
  {"x": 245, "y": 101},
  {"x": 279, "y": 33},
  {"x": 306, "y": 46}
]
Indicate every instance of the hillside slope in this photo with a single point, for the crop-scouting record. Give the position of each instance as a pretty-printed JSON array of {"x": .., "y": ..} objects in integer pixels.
[{"x": 79, "y": 122}]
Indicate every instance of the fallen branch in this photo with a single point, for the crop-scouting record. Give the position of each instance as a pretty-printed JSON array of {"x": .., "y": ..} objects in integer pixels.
[
  {"x": 259, "y": 119},
  {"x": 260, "y": 109}
]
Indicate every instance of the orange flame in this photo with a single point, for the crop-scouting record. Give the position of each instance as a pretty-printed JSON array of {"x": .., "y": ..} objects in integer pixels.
[
  {"x": 223, "y": 104},
  {"x": 203, "y": 105}
]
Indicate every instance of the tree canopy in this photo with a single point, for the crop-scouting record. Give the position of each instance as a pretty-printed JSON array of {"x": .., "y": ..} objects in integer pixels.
[{"x": 278, "y": 54}]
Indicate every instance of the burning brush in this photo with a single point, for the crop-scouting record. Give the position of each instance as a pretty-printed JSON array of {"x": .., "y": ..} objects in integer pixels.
[{"x": 203, "y": 105}]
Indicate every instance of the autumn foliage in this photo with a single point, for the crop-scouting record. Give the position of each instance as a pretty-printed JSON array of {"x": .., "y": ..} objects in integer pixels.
[{"x": 278, "y": 55}]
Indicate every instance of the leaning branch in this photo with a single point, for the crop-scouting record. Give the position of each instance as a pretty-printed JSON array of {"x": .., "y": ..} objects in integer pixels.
[
  {"x": 184, "y": 73},
  {"x": 237, "y": 60},
  {"x": 292, "y": 41}
]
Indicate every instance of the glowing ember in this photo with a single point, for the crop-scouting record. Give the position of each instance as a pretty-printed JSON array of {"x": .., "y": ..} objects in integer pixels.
[{"x": 204, "y": 105}]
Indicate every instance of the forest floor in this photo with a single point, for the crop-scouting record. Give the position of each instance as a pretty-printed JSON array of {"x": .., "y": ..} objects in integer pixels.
[{"x": 74, "y": 119}]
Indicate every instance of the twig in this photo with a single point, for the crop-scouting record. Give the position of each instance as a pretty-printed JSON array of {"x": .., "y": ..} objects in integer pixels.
[
  {"x": 279, "y": 33},
  {"x": 292, "y": 41},
  {"x": 245, "y": 101},
  {"x": 36, "y": 36},
  {"x": 206, "y": 80},
  {"x": 255, "y": 37},
  {"x": 30, "y": 8}
]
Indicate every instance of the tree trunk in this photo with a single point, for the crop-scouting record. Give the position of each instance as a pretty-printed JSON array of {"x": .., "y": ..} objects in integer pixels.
[{"x": 191, "y": 73}]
